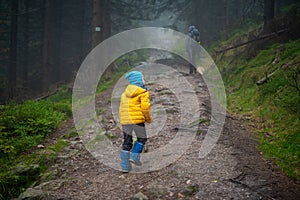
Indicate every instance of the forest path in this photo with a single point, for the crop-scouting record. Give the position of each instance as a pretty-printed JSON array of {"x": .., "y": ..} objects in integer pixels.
[{"x": 234, "y": 169}]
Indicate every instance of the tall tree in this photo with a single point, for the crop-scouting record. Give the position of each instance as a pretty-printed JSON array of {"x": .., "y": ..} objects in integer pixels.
[
  {"x": 51, "y": 42},
  {"x": 269, "y": 8},
  {"x": 26, "y": 41},
  {"x": 101, "y": 21},
  {"x": 226, "y": 16},
  {"x": 46, "y": 45},
  {"x": 56, "y": 40},
  {"x": 12, "y": 67}
]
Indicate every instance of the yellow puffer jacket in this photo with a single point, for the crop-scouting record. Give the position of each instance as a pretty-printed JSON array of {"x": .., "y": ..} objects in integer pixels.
[{"x": 135, "y": 106}]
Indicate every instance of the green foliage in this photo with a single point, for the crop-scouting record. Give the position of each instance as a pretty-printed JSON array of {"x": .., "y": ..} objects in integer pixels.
[
  {"x": 22, "y": 127},
  {"x": 241, "y": 32},
  {"x": 70, "y": 134},
  {"x": 58, "y": 146},
  {"x": 20, "y": 173},
  {"x": 282, "y": 143},
  {"x": 124, "y": 64},
  {"x": 63, "y": 107},
  {"x": 289, "y": 8},
  {"x": 275, "y": 105},
  {"x": 62, "y": 100},
  {"x": 25, "y": 125},
  {"x": 63, "y": 94}
]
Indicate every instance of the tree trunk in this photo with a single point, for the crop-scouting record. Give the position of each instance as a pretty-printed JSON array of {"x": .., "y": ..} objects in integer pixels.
[
  {"x": 106, "y": 17},
  {"x": 278, "y": 6},
  {"x": 45, "y": 64},
  {"x": 56, "y": 12},
  {"x": 51, "y": 44},
  {"x": 269, "y": 6},
  {"x": 101, "y": 21},
  {"x": 12, "y": 67},
  {"x": 81, "y": 34},
  {"x": 226, "y": 17},
  {"x": 26, "y": 41}
]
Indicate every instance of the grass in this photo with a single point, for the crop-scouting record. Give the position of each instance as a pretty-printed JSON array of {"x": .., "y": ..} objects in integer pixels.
[
  {"x": 13, "y": 180},
  {"x": 24, "y": 126},
  {"x": 21, "y": 172},
  {"x": 275, "y": 105}
]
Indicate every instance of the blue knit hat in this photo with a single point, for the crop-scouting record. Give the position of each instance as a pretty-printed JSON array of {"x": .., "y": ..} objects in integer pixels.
[{"x": 135, "y": 78}]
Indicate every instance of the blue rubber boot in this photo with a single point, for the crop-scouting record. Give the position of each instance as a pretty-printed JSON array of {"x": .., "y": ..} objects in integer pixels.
[
  {"x": 135, "y": 154},
  {"x": 125, "y": 164}
]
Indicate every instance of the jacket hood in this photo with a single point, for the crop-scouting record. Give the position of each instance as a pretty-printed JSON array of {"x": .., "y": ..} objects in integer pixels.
[{"x": 133, "y": 91}]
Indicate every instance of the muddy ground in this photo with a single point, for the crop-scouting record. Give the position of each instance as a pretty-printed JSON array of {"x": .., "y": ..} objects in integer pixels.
[{"x": 234, "y": 169}]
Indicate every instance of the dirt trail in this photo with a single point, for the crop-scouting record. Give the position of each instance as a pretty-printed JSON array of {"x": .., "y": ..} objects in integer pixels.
[{"x": 233, "y": 170}]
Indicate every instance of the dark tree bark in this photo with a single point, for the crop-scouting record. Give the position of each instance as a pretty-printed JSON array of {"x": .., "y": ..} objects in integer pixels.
[
  {"x": 269, "y": 7},
  {"x": 278, "y": 6},
  {"x": 46, "y": 46},
  {"x": 101, "y": 21},
  {"x": 81, "y": 35},
  {"x": 106, "y": 17},
  {"x": 56, "y": 40},
  {"x": 26, "y": 41},
  {"x": 226, "y": 15},
  {"x": 12, "y": 67},
  {"x": 51, "y": 69}
]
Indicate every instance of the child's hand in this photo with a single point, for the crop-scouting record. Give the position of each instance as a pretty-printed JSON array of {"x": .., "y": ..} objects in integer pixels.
[{"x": 149, "y": 120}]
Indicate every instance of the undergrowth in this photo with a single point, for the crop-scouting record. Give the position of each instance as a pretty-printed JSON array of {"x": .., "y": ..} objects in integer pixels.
[
  {"x": 24, "y": 126},
  {"x": 273, "y": 105}
]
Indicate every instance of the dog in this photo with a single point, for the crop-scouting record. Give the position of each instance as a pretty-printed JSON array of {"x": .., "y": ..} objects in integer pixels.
[{"x": 200, "y": 70}]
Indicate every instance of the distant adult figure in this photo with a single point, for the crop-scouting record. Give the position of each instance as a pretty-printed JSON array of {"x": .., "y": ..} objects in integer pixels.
[{"x": 195, "y": 35}]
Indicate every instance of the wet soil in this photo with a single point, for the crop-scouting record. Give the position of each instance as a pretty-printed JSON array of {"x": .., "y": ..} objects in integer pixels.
[{"x": 234, "y": 169}]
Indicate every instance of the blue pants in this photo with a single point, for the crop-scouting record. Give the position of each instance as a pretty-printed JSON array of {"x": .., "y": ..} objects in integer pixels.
[{"x": 140, "y": 133}]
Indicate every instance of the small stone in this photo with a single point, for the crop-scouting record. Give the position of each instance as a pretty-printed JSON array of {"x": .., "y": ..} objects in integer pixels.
[
  {"x": 73, "y": 142},
  {"x": 62, "y": 156},
  {"x": 32, "y": 193},
  {"x": 190, "y": 190},
  {"x": 201, "y": 84},
  {"x": 26, "y": 170},
  {"x": 40, "y": 146},
  {"x": 201, "y": 195},
  {"x": 52, "y": 185},
  {"x": 139, "y": 196}
]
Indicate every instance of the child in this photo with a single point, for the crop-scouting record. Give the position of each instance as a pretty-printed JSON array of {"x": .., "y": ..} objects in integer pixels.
[{"x": 134, "y": 111}]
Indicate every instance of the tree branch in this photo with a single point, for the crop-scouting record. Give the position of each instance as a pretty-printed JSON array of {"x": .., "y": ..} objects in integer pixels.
[{"x": 254, "y": 40}]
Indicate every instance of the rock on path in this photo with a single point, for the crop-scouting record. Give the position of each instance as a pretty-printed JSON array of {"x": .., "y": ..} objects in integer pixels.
[{"x": 233, "y": 170}]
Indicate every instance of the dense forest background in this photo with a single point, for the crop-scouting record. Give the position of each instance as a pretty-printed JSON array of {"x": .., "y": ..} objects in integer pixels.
[
  {"x": 255, "y": 44},
  {"x": 43, "y": 42}
]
